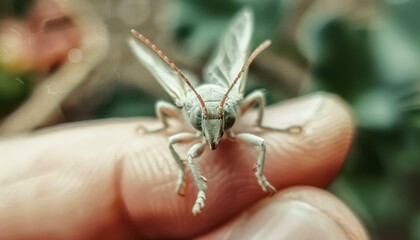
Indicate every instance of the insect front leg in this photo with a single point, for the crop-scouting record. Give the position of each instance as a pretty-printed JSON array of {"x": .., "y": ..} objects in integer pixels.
[
  {"x": 176, "y": 139},
  {"x": 257, "y": 98},
  {"x": 195, "y": 151},
  {"x": 256, "y": 141},
  {"x": 164, "y": 110}
]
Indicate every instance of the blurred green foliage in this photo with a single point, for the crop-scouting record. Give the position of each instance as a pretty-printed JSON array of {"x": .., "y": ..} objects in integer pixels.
[
  {"x": 124, "y": 101},
  {"x": 16, "y": 8},
  {"x": 14, "y": 88}
]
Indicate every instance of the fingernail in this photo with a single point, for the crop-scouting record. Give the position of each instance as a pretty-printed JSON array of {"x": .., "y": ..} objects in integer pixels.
[{"x": 291, "y": 219}]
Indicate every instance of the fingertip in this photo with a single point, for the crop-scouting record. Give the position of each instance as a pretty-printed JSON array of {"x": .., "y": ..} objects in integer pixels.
[
  {"x": 330, "y": 205},
  {"x": 318, "y": 150},
  {"x": 295, "y": 213}
]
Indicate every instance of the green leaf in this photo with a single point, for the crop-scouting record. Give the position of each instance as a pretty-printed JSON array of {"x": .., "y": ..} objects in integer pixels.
[{"x": 14, "y": 88}]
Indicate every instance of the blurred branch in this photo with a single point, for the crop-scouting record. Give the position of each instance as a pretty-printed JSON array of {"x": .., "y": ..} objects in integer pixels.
[{"x": 306, "y": 9}]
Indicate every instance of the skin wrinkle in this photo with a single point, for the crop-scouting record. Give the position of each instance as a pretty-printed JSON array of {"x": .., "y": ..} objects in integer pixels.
[
  {"x": 32, "y": 169},
  {"x": 118, "y": 222},
  {"x": 45, "y": 185},
  {"x": 127, "y": 225},
  {"x": 233, "y": 162},
  {"x": 82, "y": 175},
  {"x": 247, "y": 182},
  {"x": 143, "y": 172},
  {"x": 152, "y": 170}
]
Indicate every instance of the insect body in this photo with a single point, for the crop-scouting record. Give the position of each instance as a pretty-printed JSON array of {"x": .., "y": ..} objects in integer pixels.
[{"x": 212, "y": 108}]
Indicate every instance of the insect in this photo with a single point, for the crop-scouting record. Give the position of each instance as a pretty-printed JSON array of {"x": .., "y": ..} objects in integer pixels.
[{"x": 211, "y": 108}]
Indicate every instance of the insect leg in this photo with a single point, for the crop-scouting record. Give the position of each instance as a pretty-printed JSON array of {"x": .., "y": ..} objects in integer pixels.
[
  {"x": 175, "y": 139},
  {"x": 195, "y": 151},
  {"x": 256, "y": 141},
  {"x": 164, "y": 110},
  {"x": 257, "y": 98}
]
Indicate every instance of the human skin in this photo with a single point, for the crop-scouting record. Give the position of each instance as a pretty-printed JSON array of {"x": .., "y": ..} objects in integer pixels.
[{"x": 102, "y": 180}]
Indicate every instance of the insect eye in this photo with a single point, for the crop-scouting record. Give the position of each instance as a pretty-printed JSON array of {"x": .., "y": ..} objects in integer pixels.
[
  {"x": 196, "y": 118},
  {"x": 229, "y": 116}
]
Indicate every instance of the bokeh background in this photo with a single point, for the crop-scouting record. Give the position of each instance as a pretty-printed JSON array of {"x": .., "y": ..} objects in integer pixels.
[{"x": 64, "y": 61}]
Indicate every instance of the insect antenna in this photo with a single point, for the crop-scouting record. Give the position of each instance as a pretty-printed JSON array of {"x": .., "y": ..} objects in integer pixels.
[
  {"x": 171, "y": 64},
  {"x": 248, "y": 62}
]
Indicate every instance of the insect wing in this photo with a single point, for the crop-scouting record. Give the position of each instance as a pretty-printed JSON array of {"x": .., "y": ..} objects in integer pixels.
[
  {"x": 232, "y": 53},
  {"x": 164, "y": 74}
]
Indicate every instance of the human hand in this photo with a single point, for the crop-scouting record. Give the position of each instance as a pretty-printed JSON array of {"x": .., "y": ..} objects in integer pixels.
[{"x": 101, "y": 180}]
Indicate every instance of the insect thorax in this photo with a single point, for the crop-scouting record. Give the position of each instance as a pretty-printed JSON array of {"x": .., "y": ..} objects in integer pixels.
[{"x": 212, "y": 94}]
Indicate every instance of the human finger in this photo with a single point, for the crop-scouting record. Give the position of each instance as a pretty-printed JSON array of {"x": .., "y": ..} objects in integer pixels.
[
  {"x": 294, "y": 213},
  {"x": 124, "y": 183}
]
